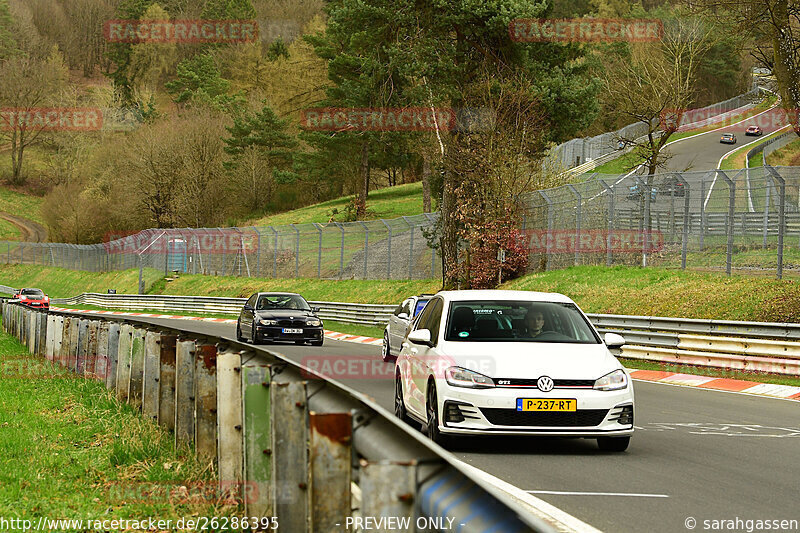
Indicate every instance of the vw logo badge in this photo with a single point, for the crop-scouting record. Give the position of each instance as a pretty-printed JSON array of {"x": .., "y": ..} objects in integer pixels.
[{"x": 545, "y": 384}]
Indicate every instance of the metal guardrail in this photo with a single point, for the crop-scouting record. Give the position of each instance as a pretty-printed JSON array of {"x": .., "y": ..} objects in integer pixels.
[
  {"x": 231, "y": 402},
  {"x": 764, "y": 346}
]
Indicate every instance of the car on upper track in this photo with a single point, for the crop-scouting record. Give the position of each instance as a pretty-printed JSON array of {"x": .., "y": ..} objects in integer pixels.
[
  {"x": 673, "y": 186},
  {"x": 34, "y": 298},
  {"x": 753, "y": 130},
  {"x": 728, "y": 138},
  {"x": 398, "y": 324},
  {"x": 279, "y": 316},
  {"x": 483, "y": 362}
]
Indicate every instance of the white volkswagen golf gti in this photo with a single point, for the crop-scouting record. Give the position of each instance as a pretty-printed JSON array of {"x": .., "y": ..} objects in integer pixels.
[{"x": 484, "y": 362}]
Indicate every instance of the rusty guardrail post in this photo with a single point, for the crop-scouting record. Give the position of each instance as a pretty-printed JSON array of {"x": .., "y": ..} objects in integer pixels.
[
  {"x": 388, "y": 488},
  {"x": 290, "y": 454},
  {"x": 83, "y": 346},
  {"x": 229, "y": 423},
  {"x": 166, "y": 381},
  {"x": 90, "y": 365},
  {"x": 63, "y": 352},
  {"x": 124, "y": 361},
  {"x": 49, "y": 343},
  {"x": 72, "y": 355},
  {"x": 205, "y": 400},
  {"x": 330, "y": 456},
  {"x": 137, "y": 368},
  {"x": 101, "y": 355},
  {"x": 152, "y": 374},
  {"x": 113, "y": 355},
  {"x": 184, "y": 391}
]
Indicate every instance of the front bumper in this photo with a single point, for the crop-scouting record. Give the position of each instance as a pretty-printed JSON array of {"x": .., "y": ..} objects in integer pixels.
[
  {"x": 36, "y": 305},
  {"x": 493, "y": 412},
  {"x": 275, "y": 333}
]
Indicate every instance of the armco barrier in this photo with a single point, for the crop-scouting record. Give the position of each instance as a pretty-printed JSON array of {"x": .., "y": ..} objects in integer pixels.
[{"x": 284, "y": 445}]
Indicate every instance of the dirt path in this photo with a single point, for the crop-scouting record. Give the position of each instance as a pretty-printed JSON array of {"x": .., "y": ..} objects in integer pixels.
[{"x": 31, "y": 231}]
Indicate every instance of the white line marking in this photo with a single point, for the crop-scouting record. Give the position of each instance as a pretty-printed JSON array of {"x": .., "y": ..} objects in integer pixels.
[
  {"x": 548, "y": 512},
  {"x": 570, "y": 493}
]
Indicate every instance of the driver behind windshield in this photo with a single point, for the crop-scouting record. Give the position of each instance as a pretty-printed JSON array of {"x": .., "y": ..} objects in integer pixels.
[{"x": 534, "y": 322}]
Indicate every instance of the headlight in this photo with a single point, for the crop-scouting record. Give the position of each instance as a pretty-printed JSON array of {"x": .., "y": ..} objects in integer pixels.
[
  {"x": 265, "y": 322},
  {"x": 314, "y": 322},
  {"x": 614, "y": 381},
  {"x": 461, "y": 377}
]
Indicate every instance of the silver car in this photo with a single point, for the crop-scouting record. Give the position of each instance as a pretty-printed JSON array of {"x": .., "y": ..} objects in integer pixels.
[{"x": 399, "y": 322}]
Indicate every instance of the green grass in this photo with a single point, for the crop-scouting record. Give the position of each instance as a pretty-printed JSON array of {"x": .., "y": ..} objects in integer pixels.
[
  {"x": 760, "y": 377},
  {"x": 757, "y": 160},
  {"x": 70, "y": 450},
  {"x": 789, "y": 155},
  {"x": 8, "y": 231},
  {"x": 63, "y": 283},
  {"x": 20, "y": 204},
  {"x": 390, "y": 202}
]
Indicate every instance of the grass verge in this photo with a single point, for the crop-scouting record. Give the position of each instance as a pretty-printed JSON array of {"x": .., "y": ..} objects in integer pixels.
[
  {"x": 760, "y": 377},
  {"x": 70, "y": 450},
  {"x": 63, "y": 283}
]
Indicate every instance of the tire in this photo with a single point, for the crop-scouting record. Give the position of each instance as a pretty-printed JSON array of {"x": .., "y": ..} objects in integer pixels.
[
  {"x": 400, "y": 406},
  {"x": 386, "y": 350},
  {"x": 239, "y": 336},
  {"x": 253, "y": 336},
  {"x": 613, "y": 444},
  {"x": 432, "y": 411}
]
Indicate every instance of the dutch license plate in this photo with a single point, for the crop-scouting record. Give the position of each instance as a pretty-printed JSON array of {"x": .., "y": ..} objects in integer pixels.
[
  {"x": 292, "y": 330},
  {"x": 536, "y": 404}
]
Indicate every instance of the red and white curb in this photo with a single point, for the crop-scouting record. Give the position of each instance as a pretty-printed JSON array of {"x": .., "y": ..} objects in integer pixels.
[
  {"x": 333, "y": 335},
  {"x": 786, "y": 392}
]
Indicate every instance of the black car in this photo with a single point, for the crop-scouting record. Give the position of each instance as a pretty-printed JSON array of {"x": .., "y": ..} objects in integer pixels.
[
  {"x": 279, "y": 316},
  {"x": 673, "y": 186}
]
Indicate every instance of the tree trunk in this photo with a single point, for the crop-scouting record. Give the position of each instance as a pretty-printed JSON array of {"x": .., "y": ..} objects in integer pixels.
[
  {"x": 361, "y": 210},
  {"x": 449, "y": 243},
  {"x": 785, "y": 69},
  {"x": 426, "y": 184}
]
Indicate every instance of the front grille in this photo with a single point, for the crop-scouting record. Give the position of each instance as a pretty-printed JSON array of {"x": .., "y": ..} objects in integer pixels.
[
  {"x": 510, "y": 417},
  {"x": 291, "y": 323},
  {"x": 557, "y": 383}
]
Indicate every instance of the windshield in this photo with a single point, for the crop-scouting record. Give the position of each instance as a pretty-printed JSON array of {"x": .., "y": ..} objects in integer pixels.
[
  {"x": 282, "y": 301},
  {"x": 518, "y": 321},
  {"x": 420, "y": 306},
  {"x": 32, "y": 292}
]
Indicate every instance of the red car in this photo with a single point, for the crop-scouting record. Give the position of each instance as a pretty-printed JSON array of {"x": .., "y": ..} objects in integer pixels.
[
  {"x": 753, "y": 130},
  {"x": 34, "y": 298}
]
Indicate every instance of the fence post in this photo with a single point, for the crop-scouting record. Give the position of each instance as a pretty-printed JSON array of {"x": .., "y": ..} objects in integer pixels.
[
  {"x": 729, "y": 220},
  {"x": 389, "y": 251},
  {"x": 319, "y": 250},
  {"x": 702, "y": 212},
  {"x": 296, "y": 252},
  {"x": 768, "y": 189},
  {"x": 410, "y": 249},
  {"x": 366, "y": 246},
  {"x": 610, "y": 220},
  {"x": 549, "y": 235},
  {"x": 258, "y": 253},
  {"x": 275, "y": 253},
  {"x": 686, "y": 223},
  {"x": 290, "y": 454},
  {"x": 341, "y": 252},
  {"x": 578, "y": 202},
  {"x": 781, "y": 214},
  {"x": 257, "y": 444}
]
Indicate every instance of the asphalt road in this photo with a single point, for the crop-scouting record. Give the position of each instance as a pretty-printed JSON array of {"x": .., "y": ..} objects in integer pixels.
[
  {"x": 702, "y": 454},
  {"x": 697, "y": 155}
]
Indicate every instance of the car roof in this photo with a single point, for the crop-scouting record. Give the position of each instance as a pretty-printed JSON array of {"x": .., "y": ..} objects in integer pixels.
[
  {"x": 277, "y": 294},
  {"x": 486, "y": 294}
]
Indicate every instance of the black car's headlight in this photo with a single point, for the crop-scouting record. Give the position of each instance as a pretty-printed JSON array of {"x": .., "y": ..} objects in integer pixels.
[
  {"x": 461, "y": 377},
  {"x": 314, "y": 322},
  {"x": 615, "y": 380},
  {"x": 268, "y": 322}
]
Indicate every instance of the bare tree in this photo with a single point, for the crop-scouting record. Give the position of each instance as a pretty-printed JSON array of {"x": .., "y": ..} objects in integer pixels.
[{"x": 28, "y": 85}]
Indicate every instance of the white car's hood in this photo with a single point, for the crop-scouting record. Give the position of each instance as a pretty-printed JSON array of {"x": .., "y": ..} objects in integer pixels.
[{"x": 529, "y": 360}]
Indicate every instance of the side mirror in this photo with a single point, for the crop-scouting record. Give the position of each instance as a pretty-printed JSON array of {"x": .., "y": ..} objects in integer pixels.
[
  {"x": 248, "y": 307},
  {"x": 315, "y": 310},
  {"x": 613, "y": 340},
  {"x": 403, "y": 316},
  {"x": 420, "y": 336}
]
